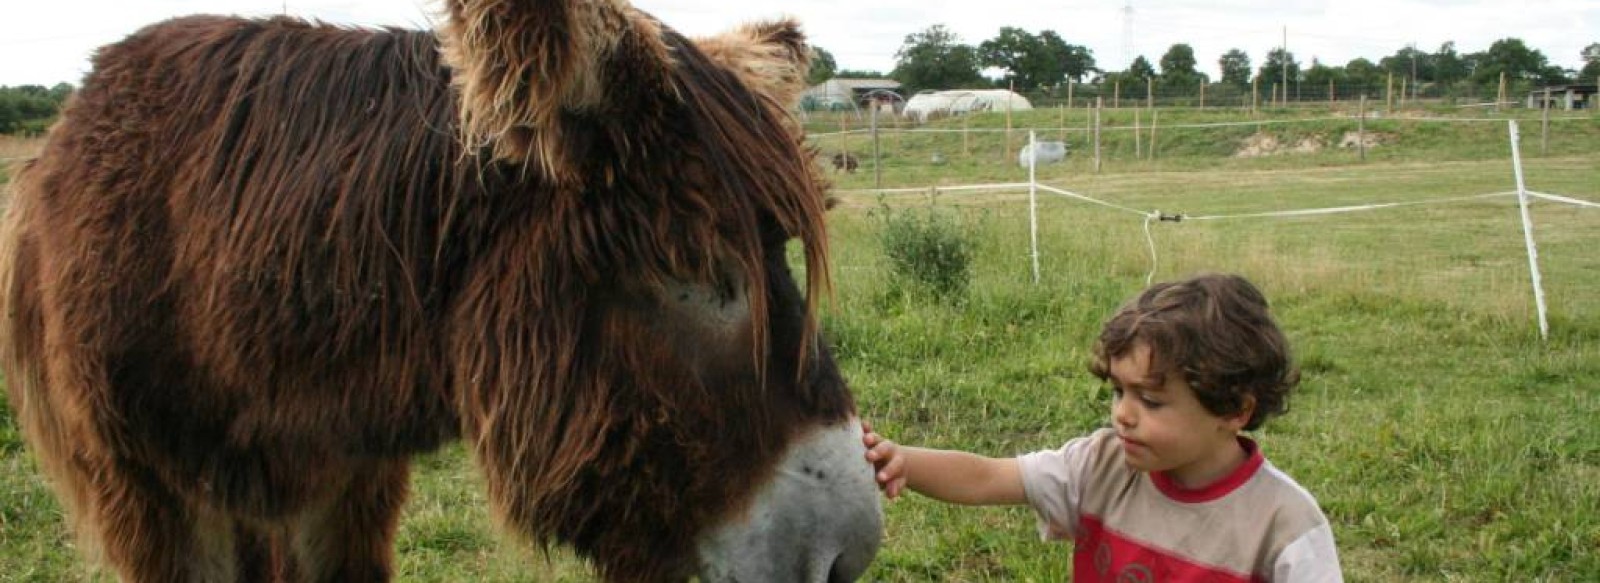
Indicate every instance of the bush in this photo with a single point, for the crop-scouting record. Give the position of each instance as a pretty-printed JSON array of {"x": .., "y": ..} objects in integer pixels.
[{"x": 928, "y": 250}]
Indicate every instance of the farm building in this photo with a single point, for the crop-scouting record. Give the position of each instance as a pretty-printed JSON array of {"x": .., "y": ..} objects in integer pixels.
[
  {"x": 1568, "y": 97},
  {"x": 928, "y": 104},
  {"x": 845, "y": 94}
]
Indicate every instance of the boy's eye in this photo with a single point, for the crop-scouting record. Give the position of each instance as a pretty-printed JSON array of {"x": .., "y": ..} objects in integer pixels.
[{"x": 1149, "y": 403}]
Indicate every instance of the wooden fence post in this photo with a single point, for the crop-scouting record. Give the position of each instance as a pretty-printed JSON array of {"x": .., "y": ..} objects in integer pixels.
[
  {"x": 1138, "y": 151},
  {"x": 1361, "y": 127},
  {"x": 1155, "y": 116},
  {"x": 1544, "y": 138},
  {"x": 1255, "y": 94},
  {"x": 1098, "y": 105},
  {"x": 1388, "y": 94},
  {"x": 1007, "y": 138}
]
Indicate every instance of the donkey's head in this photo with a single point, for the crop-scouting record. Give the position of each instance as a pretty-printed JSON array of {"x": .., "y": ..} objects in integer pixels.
[{"x": 681, "y": 415}]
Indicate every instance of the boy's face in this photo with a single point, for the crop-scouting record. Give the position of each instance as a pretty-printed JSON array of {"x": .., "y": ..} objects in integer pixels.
[{"x": 1164, "y": 428}]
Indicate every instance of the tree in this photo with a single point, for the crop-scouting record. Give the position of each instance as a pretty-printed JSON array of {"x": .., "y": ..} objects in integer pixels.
[
  {"x": 1177, "y": 68},
  {"x": 858, "y": 74},
  {"x": 30, "y": 106},
  {"x": 1020, "y": 54},
  {"x": 1061, "y": 60},
  {"x": 1409, "y": 63},
  {"x": 1032, "y": 61},
  {"x": 1134, "y": 80},
  {"x": 936, "y": 59},
  {"x": 1319, "y": 76},
  {"x": 1363, "y": 76},
  {"x": 1591, "y": 64},
  {"x": 1449, "y": 67},
  {"x": 822, "y": 66},
  {"x": 1235, "y": 68},
  {"x": 1069, "y": 60},
  {"x": 1510, "y": 56},
  {"x": 1280, "y": 64}
]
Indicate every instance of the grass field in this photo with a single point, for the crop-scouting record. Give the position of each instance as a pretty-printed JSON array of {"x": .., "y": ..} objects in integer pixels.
[{"x": 1444, "y": 438}]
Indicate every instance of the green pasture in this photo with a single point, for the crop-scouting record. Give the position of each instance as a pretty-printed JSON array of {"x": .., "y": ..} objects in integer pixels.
[{"x": 1444, "y": 438}]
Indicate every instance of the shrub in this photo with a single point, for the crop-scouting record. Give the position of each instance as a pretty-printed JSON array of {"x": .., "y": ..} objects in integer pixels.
[{"x": 928, "y": 250}]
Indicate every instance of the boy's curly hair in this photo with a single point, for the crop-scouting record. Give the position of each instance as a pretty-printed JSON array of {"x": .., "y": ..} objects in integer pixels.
[{"x": 1215, "y": 330}]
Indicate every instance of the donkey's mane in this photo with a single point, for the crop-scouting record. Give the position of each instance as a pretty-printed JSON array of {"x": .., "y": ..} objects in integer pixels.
[{"x": 385, "y": 200}]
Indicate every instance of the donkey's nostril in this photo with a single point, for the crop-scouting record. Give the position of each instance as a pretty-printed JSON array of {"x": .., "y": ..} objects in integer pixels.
[{"x": 849, "y": 567}]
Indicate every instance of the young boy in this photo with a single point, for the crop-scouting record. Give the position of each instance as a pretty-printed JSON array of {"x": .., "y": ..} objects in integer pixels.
[{"x": 1171, "y": 491}]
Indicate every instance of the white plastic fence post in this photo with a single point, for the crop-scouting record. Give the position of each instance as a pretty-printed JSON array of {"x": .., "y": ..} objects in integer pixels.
[
  {"x": 1527, "y": 232},
  {"x": 1033, "y": 201}
]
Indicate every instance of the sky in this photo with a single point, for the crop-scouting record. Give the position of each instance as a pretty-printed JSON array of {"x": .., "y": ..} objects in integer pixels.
[{"x": 48, "y": 42}]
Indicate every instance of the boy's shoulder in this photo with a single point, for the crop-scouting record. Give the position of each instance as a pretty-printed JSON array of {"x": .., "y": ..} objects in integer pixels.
[{"x": 1292, "y": 507}]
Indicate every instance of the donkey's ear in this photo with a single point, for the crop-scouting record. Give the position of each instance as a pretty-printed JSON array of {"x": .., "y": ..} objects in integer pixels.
[
  {"x": 770, "y": 57},
  {"x": 517, "y": 65}
]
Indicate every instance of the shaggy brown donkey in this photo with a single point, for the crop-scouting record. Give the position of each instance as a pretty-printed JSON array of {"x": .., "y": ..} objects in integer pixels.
[{"x": 261, "y": 263}]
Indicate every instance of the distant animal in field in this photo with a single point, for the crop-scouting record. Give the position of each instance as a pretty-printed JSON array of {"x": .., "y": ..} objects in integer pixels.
[
  {"x": 844, "y": 161},
  {"x": 260, "y": 264},
  {"x": 1045, "y": 153}
]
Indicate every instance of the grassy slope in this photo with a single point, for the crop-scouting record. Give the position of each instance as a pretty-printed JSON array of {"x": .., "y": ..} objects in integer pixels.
[{"x": 1443, "y": 438}]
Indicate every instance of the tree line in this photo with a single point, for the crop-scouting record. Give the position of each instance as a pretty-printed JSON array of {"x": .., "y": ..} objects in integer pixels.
[
  {"x": 30, "y": 108},
  {"x": 936, "y": 58}
]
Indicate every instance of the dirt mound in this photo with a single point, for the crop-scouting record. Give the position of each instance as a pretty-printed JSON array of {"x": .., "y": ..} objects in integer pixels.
[
  {"x": 1265, "y": 144},
  {"x": 1370, "y": 139}
]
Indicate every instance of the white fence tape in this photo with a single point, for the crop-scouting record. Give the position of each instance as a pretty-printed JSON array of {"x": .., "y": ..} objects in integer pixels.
[{"x": 1568, "y": 200}]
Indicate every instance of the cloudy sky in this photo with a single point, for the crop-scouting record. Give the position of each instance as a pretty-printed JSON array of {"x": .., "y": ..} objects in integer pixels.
[{"x": 47, "y": 42}]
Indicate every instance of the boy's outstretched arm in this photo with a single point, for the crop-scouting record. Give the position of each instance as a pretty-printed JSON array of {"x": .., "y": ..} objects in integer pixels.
[{"x": 952, "y": 476}]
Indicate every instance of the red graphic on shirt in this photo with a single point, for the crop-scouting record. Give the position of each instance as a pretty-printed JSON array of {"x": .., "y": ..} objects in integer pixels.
[{"x": 1104, "y": 556}]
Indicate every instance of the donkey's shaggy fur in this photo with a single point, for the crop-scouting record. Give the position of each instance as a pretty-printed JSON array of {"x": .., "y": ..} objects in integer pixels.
[{"x": 260, "y": 263}]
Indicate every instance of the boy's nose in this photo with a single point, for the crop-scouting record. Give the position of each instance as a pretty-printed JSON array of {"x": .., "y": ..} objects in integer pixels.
[{"x": 1121, "y": 413}]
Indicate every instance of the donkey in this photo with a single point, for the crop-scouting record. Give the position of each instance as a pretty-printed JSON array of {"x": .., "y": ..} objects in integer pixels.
[{"x": 260, "y": 264}]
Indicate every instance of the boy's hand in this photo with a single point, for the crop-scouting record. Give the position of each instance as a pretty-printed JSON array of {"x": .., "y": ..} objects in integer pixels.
[{"x": 886, "y": 460}]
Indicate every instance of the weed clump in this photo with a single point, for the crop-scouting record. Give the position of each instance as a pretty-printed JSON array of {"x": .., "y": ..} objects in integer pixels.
[{"x": 928, "y": 251}]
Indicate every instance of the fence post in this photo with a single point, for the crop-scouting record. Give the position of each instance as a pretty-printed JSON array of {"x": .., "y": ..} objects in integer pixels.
[
  {"x": 1155, "y": 115},
  {"x": 1255, "y": 94},
  {"x": 1033, "y": 201},
  {"x": 1361, "y": 128},
  {"x": 1061, "y": 121},
  {"x": 1202, "y": 96},
  {"x": 1527, "y": 233},
  {"x": 1388, "y": 94},
  {"x": 877, "y": 160},
  {"x": 1138, "y": 151},
  {"x": 844, "y": 135},
  {"x": 1500, "y": 94},
  {"x": 1544, "y": 136},
  {"x": 1098, "y": 105},
  {"x": 1008, "y": 120},
  {"x": 1088, "y": 124},
  {"x": 966, "y": 128}
]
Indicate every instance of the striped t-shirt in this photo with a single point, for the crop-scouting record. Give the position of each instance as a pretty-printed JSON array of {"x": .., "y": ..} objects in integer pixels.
[{"x": 1128, "y": 526}]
